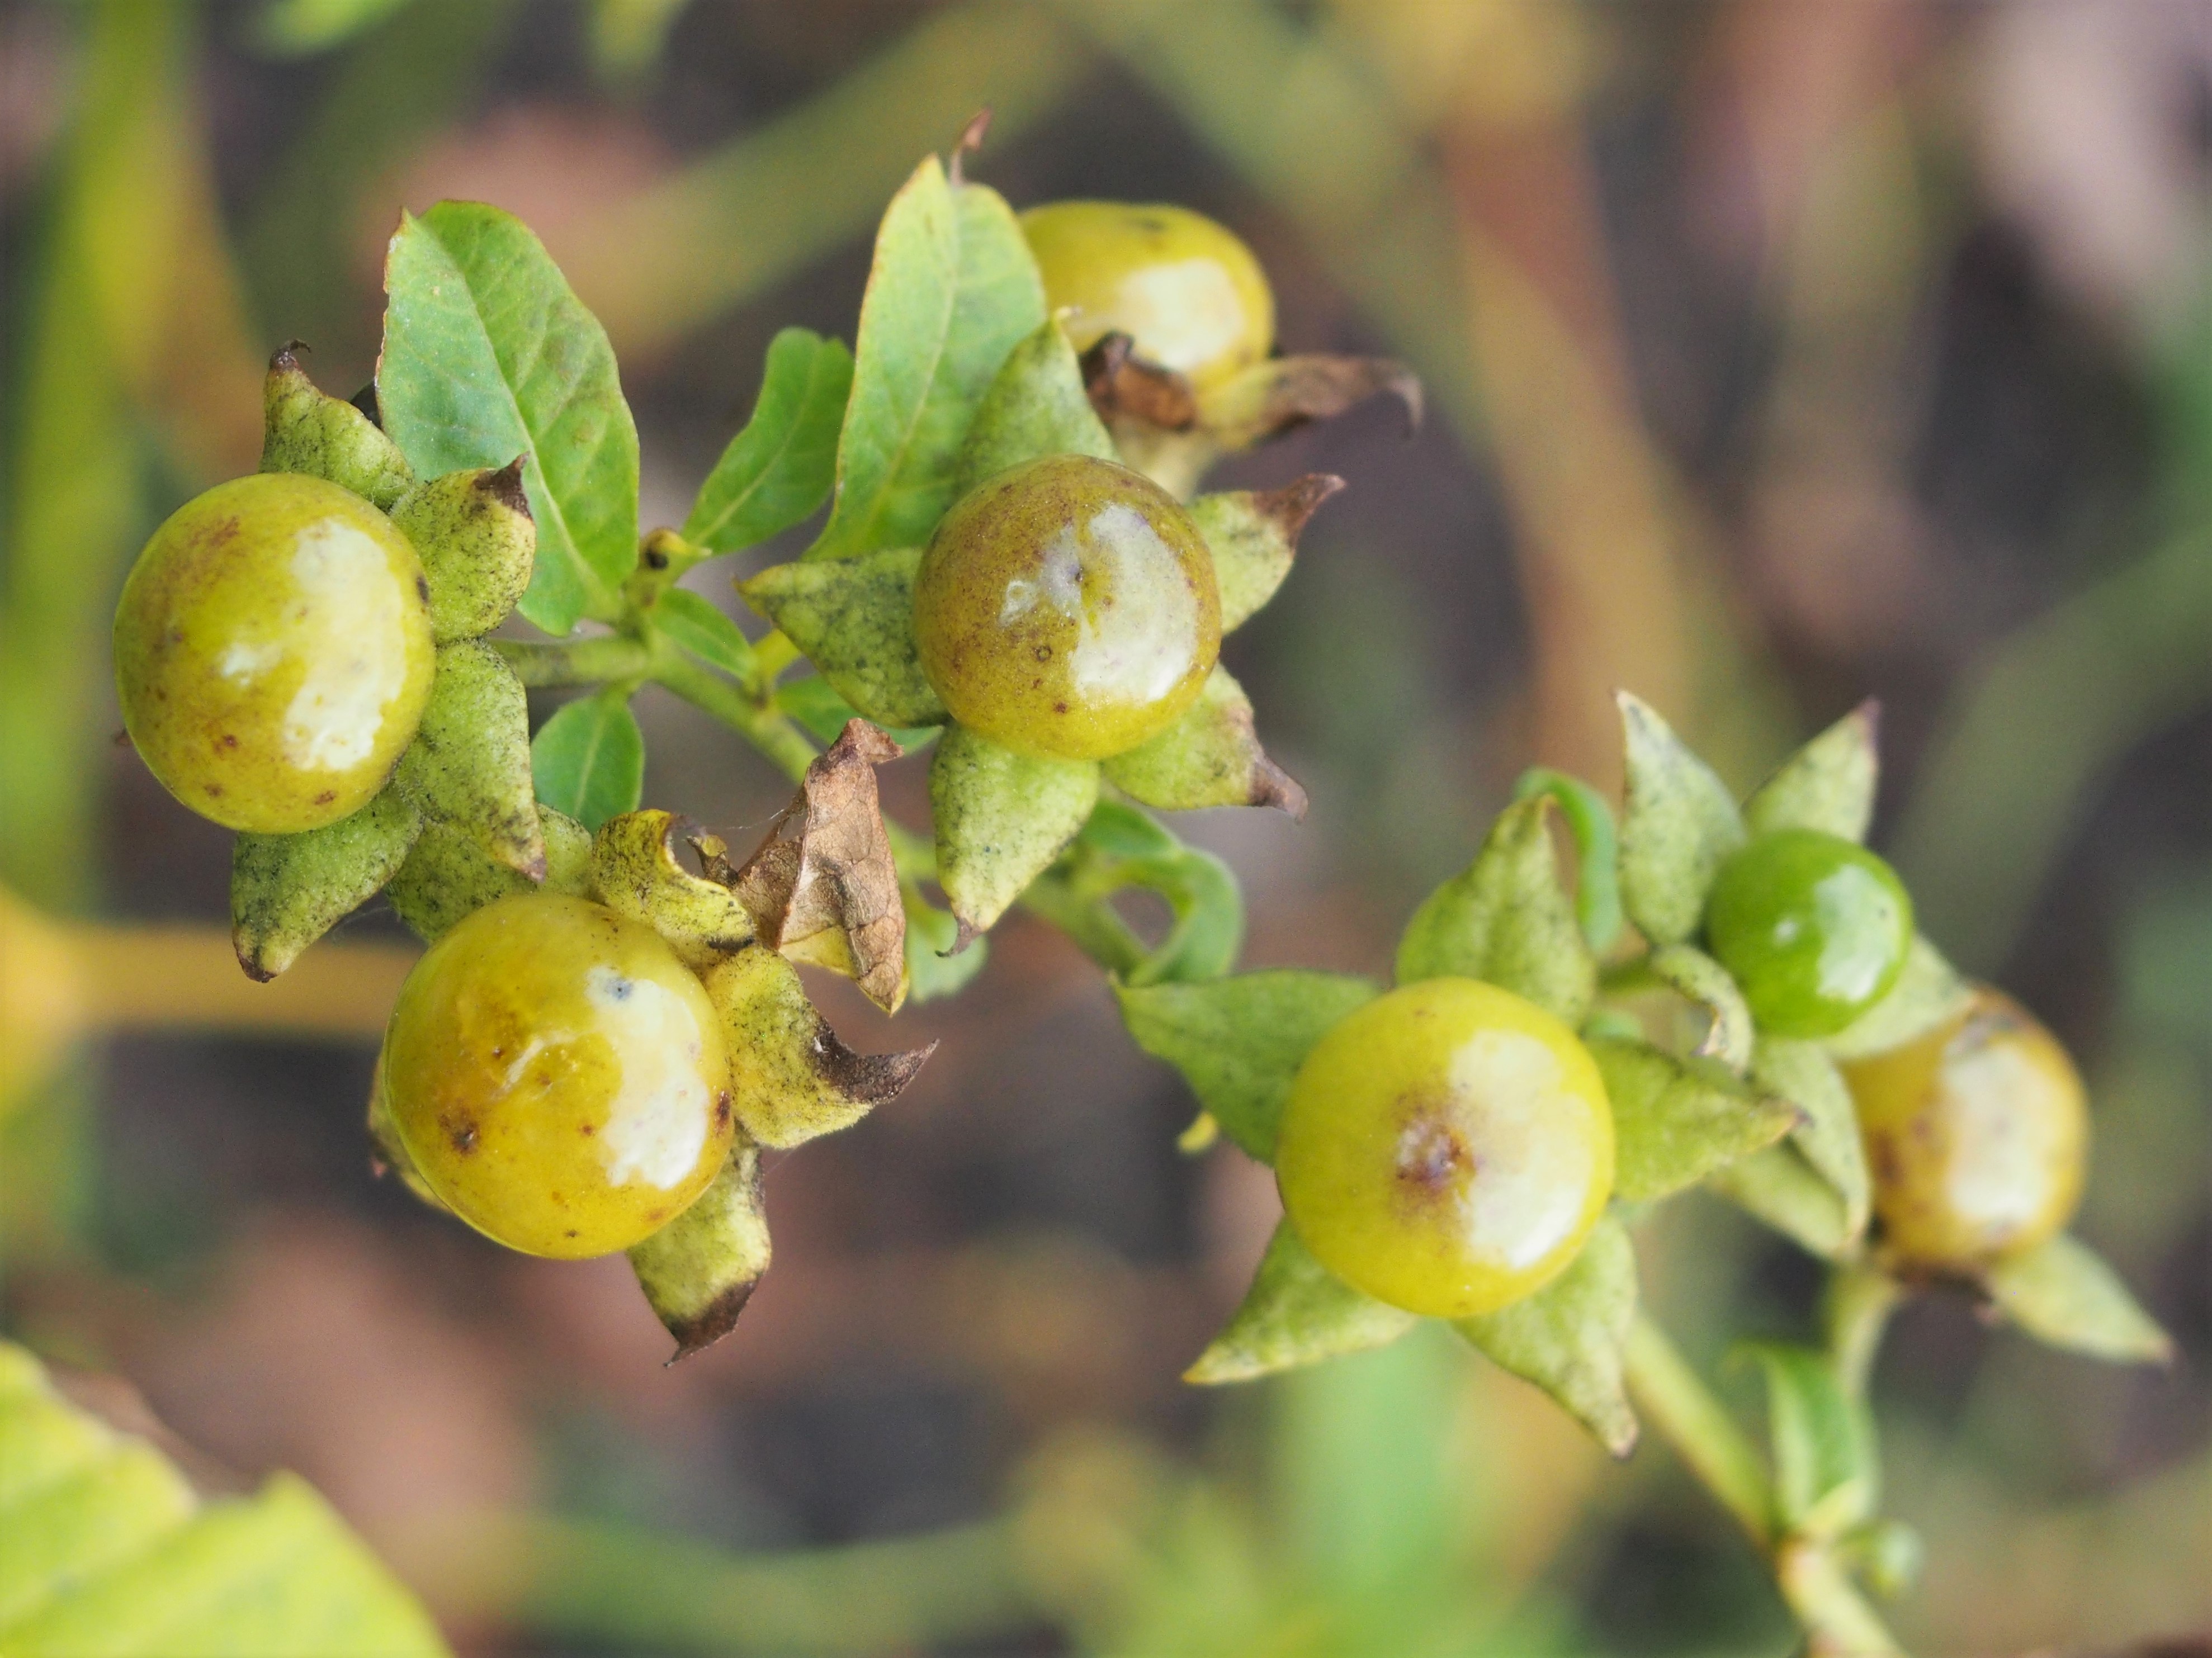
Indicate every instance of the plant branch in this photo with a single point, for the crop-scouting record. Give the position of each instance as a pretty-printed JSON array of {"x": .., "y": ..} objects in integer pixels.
[{"x": 1860, "y": 1299}]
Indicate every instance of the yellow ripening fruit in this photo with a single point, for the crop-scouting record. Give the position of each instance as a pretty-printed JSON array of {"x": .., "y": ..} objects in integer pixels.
[
  {"x": 558, "y": 1077},
  {"x": 1977, "y": 1137},
  {"x": 1447, "y": 1148},
  {"x": 1067, "y": 608},
  {"x": 273, "y": 653},
  {"x": 1187, "y": 293}
]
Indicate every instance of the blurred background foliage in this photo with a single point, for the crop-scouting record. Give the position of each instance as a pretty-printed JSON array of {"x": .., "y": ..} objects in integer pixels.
[{"x": 1779, "y": 351}]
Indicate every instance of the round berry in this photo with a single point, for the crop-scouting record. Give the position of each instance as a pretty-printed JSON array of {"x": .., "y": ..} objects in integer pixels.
[
  {"x": 1814, "y": 928},
  {"x": 1187, "y": 293},
  {"x": 558, "y": 1077},
  {"x": 1977, "y": 1136},
  {"x": 273, "y": 653},
  {"x": 1446, "y": 1148},
  {"x": 1067, "y": 608}
]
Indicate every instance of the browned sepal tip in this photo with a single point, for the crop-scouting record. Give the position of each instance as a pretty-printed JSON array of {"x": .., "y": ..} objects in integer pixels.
[
  {"x": 1869, "y": 713},
  {"x": 1622, "y": 1448},
  {"x": 505, "y": 486},
  {"x": 1405, "y": 385},
  {"x": 1274, "y": 786},
  {"x": 865, "y": 1078},
  {"x": 969, "y": 140},
  {"x": 286, "y": 358},
  {"x": 1289, "y": 507},
  {"x": 250, "y": 957},
  {"x": 719, "y": 1317},
  {"x": 964, "y": 933},
  {"x": 1124, "y": 386}
]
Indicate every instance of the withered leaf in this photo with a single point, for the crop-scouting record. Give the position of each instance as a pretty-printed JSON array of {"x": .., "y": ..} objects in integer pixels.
[
  {"x": 1270, "y": 397},
  {"x": 1125, "y": 387},
  {"x": 829, "y": 895}
]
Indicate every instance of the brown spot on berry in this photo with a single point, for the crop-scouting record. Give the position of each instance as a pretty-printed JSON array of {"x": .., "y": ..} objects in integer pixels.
[
  {"x": 423, "y": 588},
  {"x": 462, "y": 1134},
  {"x": 722, "y": 1109},
  {"x": 230, "y": 739},
  {"x": 1060, "y": 708},
  {"x": 1432, "y": 1156},
  {"x": 586, "y": 1128},
  {"x": 327, "y": 797},
  {"x": 571, "y": 1232}
]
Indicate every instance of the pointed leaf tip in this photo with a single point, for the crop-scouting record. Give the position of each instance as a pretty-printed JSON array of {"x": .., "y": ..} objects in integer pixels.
[{"x": 1296, "y": 1313}]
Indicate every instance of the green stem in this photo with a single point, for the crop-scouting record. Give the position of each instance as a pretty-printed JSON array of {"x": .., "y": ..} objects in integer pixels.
[
  {"x": 1669, "y": 1394},
  {"x": 773, "y": 732},
  {"x": 1860, "y": 1299},
  {"x": 1089, "y": 920},
  {"x": 598, "y": 660}
]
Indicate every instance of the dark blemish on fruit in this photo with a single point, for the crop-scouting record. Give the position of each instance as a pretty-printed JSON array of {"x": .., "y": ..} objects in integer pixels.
[
  {"x": 1044, "y": 653},
  {"x": 571, "y": 1232},
  {"x": 1060, "y": 708},
  {"x": 1430, "y": 1156},
  {"x": 620, "y": 989},
  {"x": 1037, "y": 685},
  {"x": 423, "y": 588},
  {"x": 215, "y": 788},
  {"x": 327, "y": 797},
  {"x": 722, "y": 1109},
  {"x": 586, "y": 1128},
  {"x": 463, "y": 1136},
  {"x": 176, "y": 635},
  {"x": 230, "y": 739}
]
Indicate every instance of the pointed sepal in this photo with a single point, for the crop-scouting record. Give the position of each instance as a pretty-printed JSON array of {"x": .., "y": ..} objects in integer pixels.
[
  {"x": 1827, "y": 1133},
  {"x": 1297, "y": 1313},
  {"x": 1239, "y": 1042},
  {"x": 1035, "y": 406},
  {"x": 1270, "y": 397},
  {"x": 793, "y": 1080},
  {"x": 448, "y": 876},
  {"x": 822, "y": 888},
  {"x": 1001, "y": 818},
  {"x": 1828, "y": 785},
  {"x": 1253, "y": 537},
  {"x": 1508, "y": 920},
  {"x": 699, "y": 1271},
  {"x": 1678, "y": 824},
  {"x": 305, "y": 430},
  {"x": 286, "y": 890},
  {"x": 1676, "y": 1120},
  {"x": 2061, "y": 1292},
  {"x": 1780, "y": 1187},
  {"x": 473, "y": 532},
  {"x": 637, "y": 870},
  {"x": 1211, "y": 757},
  {"x": 1698, "y": 979},
  {"x": 470, "y": 761},
  {"x": 1568, "y": 1338},
  {"x": 854, "y": 618}
]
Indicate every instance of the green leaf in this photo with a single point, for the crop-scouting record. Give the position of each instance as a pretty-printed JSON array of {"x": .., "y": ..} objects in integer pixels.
[
  {"x": 793, "y": 1080},
  {"x": 932, "y": 968},
  {"x": 1675, "y": 1121},
  {"x": 477, "y": 543},
  {"x": 815, "y": 704},
  {"x": 300, "y": 28},
  {"x": 1827, "y": 1135},
  {"x": 489, "y": 356},
  {"x": 105, "y": 1548},
  {"x": 1001, "y": 818},
  {"x": 1827, "y": 1477},
  {"x": 2063, "y": 1293},
  {"x": 698, "y": 625},
  {"x": 588, "y": 760},
  {"x": 1239, "y": 1042},
  {"x": 1297, "y": 1312},
  {"x": 471, "y": 760},
  {"x": 286, "y": 890},
  {"x": 1678, "y": 824},
  {"x": 778, "y": 470},
  {"x": 305, "y": 430},
  {"x": 448, "y": 876},
  {"x": 854, "y": 618},
  {"x": 1037, "y": 406},
  {"x": 951, "y": 291},
  {"x": 1507, "y": 921},
  {"x": 1928, "y": 993},
  {"x": 1597, "y": 850},
  {"x": 1211, "y": 757},
  {"x": 1253, "y": 535},
  {"x": 1828, "y": 785},
  {"x": 1782, "y": 1190},
  {"x": 1700, "y": 979},
  {"x": 699, "y": 1271},
  {"x": 1567, "y": 1337}
]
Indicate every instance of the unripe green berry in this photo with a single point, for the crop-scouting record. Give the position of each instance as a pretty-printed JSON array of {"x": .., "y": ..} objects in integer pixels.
[
  {"x": 1187, "y": 293},
  {"x": 558, "y": 1077},
  {"x": 1067, "y": 609},
  {"x": 1815, "y": 928},
  {"x": 273, "y": 653},
  {"x": 1447, "y": 1148}
]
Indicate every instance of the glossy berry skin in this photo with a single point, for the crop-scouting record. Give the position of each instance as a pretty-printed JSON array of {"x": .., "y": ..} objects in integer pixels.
[
  {"x": 1067, "y": 608},
  {"x": 1446, "y": 1148},
  {"x": 558, "y": 1077},
  {"x": 1187, "y": 293},
  {"x": 1815, "y": 929},
  {"x": 273, "y": 653},
  {"x": 1977, "y": 1136}
]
